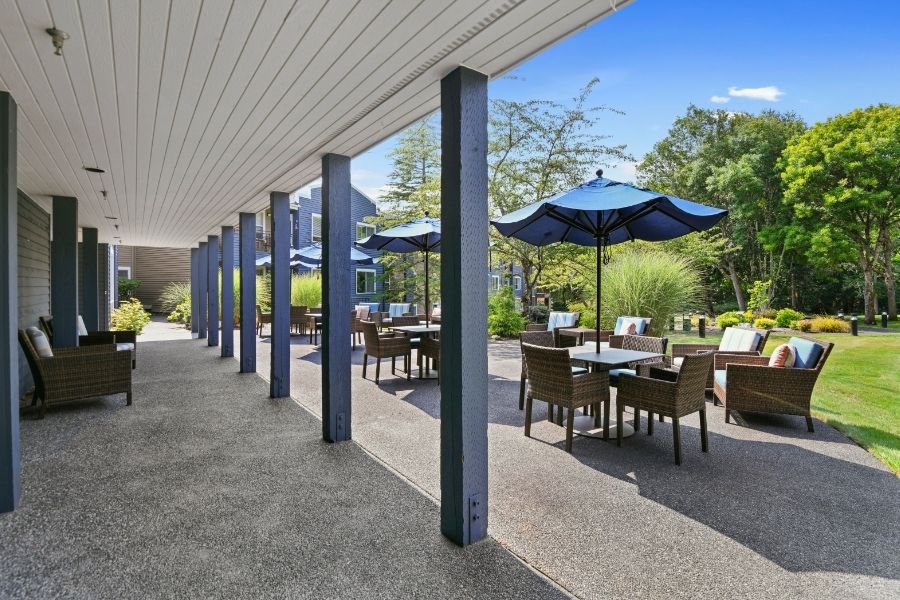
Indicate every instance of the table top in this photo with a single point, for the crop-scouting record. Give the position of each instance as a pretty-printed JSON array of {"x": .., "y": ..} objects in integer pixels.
[
  {"x": 610, "y": 357},
  {"x": 433, "y": 328}
]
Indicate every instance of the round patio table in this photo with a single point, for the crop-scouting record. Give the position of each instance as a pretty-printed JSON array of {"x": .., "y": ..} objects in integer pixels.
[{"x": 419, "y": 330}]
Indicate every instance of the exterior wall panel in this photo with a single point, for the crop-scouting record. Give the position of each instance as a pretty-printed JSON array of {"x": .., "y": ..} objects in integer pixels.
[
  {"x": 34, "y": 273},
  {"x": 155, "y": 268}
]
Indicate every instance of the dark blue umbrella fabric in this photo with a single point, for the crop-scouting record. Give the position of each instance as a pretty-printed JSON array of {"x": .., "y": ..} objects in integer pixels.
[
  {"x": 312, "y": 255},
  {"x": 421, "y": 235},
  {"x": 602, "y": 212}
]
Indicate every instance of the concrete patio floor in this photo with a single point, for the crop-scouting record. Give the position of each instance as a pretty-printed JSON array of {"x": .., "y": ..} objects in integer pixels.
[
  {"x": 771, "y": 511},
  {"x": 205, "y": 488}
]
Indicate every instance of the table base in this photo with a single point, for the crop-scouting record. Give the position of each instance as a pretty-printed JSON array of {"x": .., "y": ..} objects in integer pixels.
[{"x": 584, "y": 426}]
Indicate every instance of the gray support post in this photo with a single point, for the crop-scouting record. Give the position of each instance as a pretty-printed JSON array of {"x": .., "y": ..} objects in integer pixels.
[
  {"x": 10, "y": 466},
  {"x": 202, "y": 268},
  {"x": 280, "y": 363},
  {"x": 195, "y": 291},
  {"x": 90, "y": 279},
  {"x": 248, "y": 291},
  {"x": 64, "y": 272},
  {"x": 227, "y": 291},
  {"x": 212, "y": 290},
  {"x": 336, "y": 298},
  {"x": 464, "y": 258}
]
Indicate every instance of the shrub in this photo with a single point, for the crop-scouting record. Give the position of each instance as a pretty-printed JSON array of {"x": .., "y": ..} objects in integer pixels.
[
  {"x": 127, "y": 287},
  {"x": 503, "y": 319},
  {"x": 654, "y": 284},
  {"x": 786, "y": 316},
  {"x": 802, "y": 325},
  {"x": 176, "y": 300},
  {"x": 181, "y": 313},
  {"x": 829, "y": 325},
  {"x": 538, "y": 313},
  {"x": 759, "y": 295},
  {"x": 764, "y": 323},
  {"x": 729, "y": 319},
  {"x": 747, "y": 316},
  {"x": 130, "y": 316},
  {"x": 306, "y": 290},
  {"x": 768, "y": 313}
]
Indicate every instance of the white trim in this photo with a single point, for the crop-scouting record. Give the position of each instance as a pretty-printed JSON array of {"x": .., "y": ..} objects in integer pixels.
[
  {"x": 374, "y": 281},
  {"x": 495, "y": 283},
  {"x": 312, "y": 227},
  {"x": 517, "y": 283},
  {"x": 119, "y": 274},
  {"x": 367, "y": 226}
]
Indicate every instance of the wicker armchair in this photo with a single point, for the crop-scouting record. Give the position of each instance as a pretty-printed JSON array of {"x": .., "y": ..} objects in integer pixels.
[
  {"x": 298, "y": 318},
  {"x": 668, "y": 393},
  {"x": 385, "y": 345},
  {"x": 125, "y": 341},
  {"x": 362, "y": 313},
  {"x": 641, "y": 343},
  {"x": 748, "y": 383},
  {"x": 740, "y": 340},
  {"x": 606, "y": 335},
  {"x": 544, "y": 339},
  {"x": 559, "y": 341},
  {"x": 430, "y": 349},
  {"x": 262, "y": 318},
  {"x": 550, "y": 379},
  {"x": 77, "y": 373}
]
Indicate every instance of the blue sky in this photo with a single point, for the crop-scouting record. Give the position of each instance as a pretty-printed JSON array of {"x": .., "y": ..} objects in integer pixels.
[{"x": 654, "y": 57}]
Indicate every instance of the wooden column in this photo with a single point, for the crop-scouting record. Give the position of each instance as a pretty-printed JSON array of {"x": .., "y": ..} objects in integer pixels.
[
  {"x": 195, "y": 291},
  {"x": 64, "y": 272},
  {"x": 280, "y": 363},
  {"x": 336, "y": 299},
  {"x": 247, "y": 266},
  {"x": 464, "y": 260},
  {"x": 10, "y": 465},
  {"x": 90, "y": 279},
  {"x": 212, "y": 290},
  {"x": 202, "y": 277},
  {"x": 227, "y": 291}
]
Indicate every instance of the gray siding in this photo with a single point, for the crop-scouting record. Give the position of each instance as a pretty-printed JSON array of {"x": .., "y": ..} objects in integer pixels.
[
  {"x": 34, "y": 273},
  {"x": 155, "y": 268}
]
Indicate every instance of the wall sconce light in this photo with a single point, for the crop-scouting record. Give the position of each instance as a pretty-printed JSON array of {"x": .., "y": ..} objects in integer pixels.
[{"x": 59, "y": 38}]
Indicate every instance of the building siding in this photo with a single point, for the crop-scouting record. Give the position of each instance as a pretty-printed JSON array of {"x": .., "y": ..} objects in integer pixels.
[
  {"x": 155, "y": 268},
  {"x": 33, "y": 273}
]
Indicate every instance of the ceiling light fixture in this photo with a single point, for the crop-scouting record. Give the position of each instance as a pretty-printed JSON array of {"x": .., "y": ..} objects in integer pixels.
[
  {"x": 94, "y": 170},
  {"x": 59, "y": 38},
  {"x": 111, "y": 218}
]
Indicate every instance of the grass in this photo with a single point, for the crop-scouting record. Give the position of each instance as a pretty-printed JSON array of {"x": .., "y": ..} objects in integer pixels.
[{"x": 857, "y": 392}]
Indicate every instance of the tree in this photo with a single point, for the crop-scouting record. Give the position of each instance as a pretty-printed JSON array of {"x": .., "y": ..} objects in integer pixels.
[
  {"x": 536, "y": 149},
  {"x": 842, "y": 181}
]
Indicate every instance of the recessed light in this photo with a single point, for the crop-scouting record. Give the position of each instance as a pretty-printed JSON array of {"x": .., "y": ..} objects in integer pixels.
[
  {"x": 94, "y": 170},
  {"x": 111, "y": 218}
]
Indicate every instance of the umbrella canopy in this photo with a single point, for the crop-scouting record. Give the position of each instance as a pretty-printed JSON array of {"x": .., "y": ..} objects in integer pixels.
[
  {"x": 602, "y": 212},
  {"x": 266, "y": 261},
  {"x": 421, "y": 235},
  {"x": 312, "y": 255}
]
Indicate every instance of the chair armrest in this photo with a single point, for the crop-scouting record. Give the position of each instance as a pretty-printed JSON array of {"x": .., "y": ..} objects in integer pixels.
[
  {"x": 632, "y": 386},
  {"x": 686, "y": 349},
  {"x": 616, "y": 341},
  {"x": 536, "y": 327},
  {"x": 663, "y": 362},
  {"x": 662, "y": 374},
  {"x": 722, "y": 360},
  {"x": 123, "y": 336},
  {"x": 788, "y": 384}
]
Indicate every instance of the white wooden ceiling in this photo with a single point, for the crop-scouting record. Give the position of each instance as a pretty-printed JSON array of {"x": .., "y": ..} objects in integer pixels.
[{"x": 197, "y": 109}]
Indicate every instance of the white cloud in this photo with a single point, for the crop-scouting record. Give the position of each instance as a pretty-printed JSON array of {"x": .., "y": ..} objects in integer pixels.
[
  {"x": 769, "y": 93},
  {"x": 719, "y": 99}
]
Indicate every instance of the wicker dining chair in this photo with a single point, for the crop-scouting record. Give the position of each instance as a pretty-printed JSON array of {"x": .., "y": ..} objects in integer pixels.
[
  {"x": 298, "y": 318},
  {"x": 546, "y": 339},
  {"x": 78, "y": 373},
  {"x": 262, "y": 318},
  {"x": 668, "y": 393},
  {"x": 385, "y": 345},
  {"x": 550, "y": 379},
  {"x": 430, "y": 349}
]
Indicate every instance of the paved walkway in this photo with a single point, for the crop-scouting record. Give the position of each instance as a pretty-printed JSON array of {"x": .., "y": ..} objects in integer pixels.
[
  {"x": 771, "y": 511},
  {"x": 205, "y": 488}
]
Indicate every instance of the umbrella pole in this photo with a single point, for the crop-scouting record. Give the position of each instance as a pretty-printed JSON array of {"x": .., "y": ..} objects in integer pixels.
[
  {"x": 427, "y": 311},
  {"x": 599, "y": 266}
]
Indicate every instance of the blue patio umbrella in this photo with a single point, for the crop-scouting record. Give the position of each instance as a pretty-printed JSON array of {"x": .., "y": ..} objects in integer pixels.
[
  {"x": 312, "y": 255},
  {"x": 602, "y": 212},
  {"x": 421, "y": 235},
  {"x": 266, "y": 261}
]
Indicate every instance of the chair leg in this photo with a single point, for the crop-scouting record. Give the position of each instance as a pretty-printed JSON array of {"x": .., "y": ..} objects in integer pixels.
[
  {"x": 662, "y": 419},
  {"x": 559, "y": 416},
  {"x": 522, "y": 392},
  {"x": 809, "y": 425},
  {"x": 727, "y": 416},
  {"x": 676, "y": 436},
  {"x": 128, "y": 399},
  {"x": 377, "y": 369},
  {"x": 637, "y": 419},
  {"x": 570, "y": 427},
  {"x": 606, "y": 419},
  {"x": 549, "y": 412},
  {"x": 620, "y": 414},
  {"x": 595, "y": 410},
  {"x": 408, "y": 367},
  {"x": 365, "y": 364},
  {"x": 393, "y": 365},
  {"x": 528, "y": 405},
  {"x": 704, "y": 437},
  {"x": 649, "y": 422}
]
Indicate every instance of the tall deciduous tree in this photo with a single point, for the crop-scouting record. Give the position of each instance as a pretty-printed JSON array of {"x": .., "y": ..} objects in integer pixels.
[{"x": 842, "y": 179}]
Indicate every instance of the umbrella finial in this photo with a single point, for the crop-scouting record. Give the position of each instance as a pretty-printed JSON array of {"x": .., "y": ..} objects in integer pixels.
[
  {"x": 599, "y": 173},
  {"x": 426, "y": 213}
]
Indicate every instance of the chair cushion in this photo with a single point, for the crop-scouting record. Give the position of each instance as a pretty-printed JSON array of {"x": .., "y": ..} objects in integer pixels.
[
  {"x": 807, "y": 353},
  {"x": 719, "y": 376},
  {"x": 40, "y": 342},
  {"x": 397, "y": 310},
  {"x": 615, "y": 373},
  {"x": 783, "y": 357},
  {"x": 362, "y": 312},
  {"x": 79, "y": 325},
  {"x": 736, "y": 339},
  {"x": 561, "y": 319},
  {"x": 124, "y": 346},
  {"x": 676, "y": 362},
  {"x": 579, "y": 370}
]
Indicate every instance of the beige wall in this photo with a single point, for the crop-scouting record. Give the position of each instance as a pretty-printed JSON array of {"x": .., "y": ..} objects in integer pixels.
[{"x": 155, "y": 268}]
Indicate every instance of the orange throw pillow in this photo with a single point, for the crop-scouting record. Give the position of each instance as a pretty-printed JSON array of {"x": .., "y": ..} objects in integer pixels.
[
  {"x": 631, "y": 329},
  {"x": 783, "y": 357}
]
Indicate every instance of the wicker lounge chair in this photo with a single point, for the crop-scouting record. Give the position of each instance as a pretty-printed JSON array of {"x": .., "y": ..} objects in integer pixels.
[
  {"x": 385, "y": 345},
  {"x": 555, "y": 322},
  {"x": 641, "y": 326},
  {"x": 748, "y": 383},
  {"x": 668, "y": 393},
  {"x": 77, "y": 373},
  {"x": 262, "y": 318},
  {"x": 544, "y": 339},
  {"x": 125, "y": 341},
  {"x": 735, "y": 340},
  {"x": 550, "y": 379}
]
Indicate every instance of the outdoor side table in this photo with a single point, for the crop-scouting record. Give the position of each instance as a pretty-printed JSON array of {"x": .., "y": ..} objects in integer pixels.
[
  {"x": 577, "y": 332},
  {"x": 604, "y": 360}
]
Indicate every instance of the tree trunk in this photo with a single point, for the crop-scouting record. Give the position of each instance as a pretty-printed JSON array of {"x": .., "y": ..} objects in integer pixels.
[
  {"x": 887, "y": 252},
  {"x": 868, "y": 267},
  {"x": 736, "y": 283}
]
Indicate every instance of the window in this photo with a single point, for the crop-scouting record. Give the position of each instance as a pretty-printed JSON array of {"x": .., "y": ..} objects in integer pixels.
[
  {"x": 316, "y": 227},
  {"x": 365, "y": 281},
  {"x": 124, "y": 272},
  {"x": 495, "y": 282},
  {"x": 517, "y": 283},
  {"x": 364, "y": 230}
]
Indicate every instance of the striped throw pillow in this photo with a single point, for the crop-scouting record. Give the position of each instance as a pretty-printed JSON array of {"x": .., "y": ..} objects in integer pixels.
[
  {"x": 783, "y": 357},
  {"x": 40, "y": 342}
]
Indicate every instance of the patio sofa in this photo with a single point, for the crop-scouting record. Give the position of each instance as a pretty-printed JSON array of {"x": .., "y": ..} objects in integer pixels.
[{"x": 735, "y": 340}]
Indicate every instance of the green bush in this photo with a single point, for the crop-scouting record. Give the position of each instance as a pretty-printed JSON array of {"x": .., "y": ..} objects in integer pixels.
[
  {"x": 306, "y": 290},
  {"x": 503, "y": 318},
  {"x": 127, "y": 288},
  {"x": 588, "y": 314},
  {"x": 538, "y": 313},
  {"x": 130, "y": 316},
  {"x": 176, "y": 300},
  {"x": 729, "y": 319},
  {"x": 759, "y": 295},
  {"x": 802, "y": 325},
  {"x": 767, "y": 313},
  {"x": 648, "y": 283},
  {"x": 786, "y": 316},
  {"x": 764, "y": 323},
  {"x": 829, "y": 325},
  {"x": 181, "y": 313}
]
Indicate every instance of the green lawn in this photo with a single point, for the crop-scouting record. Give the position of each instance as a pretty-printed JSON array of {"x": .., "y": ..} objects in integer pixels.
[{"x": 858, "y": 391}]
